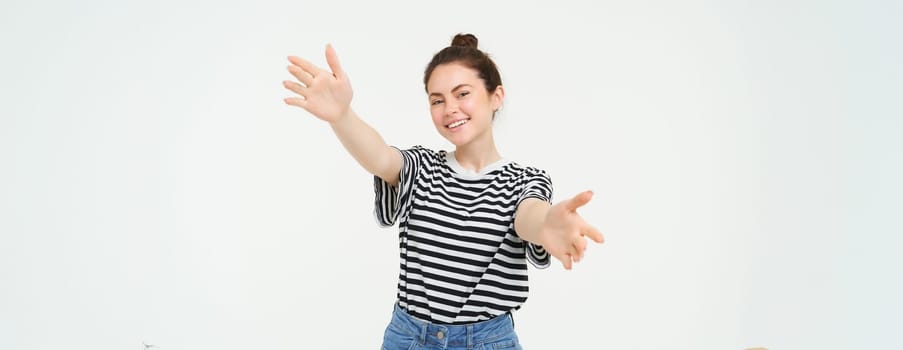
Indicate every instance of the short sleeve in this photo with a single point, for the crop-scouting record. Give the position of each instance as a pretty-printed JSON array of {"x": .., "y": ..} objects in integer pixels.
[
  {"x": 393, "y": 201},
  {"x": 537, "y": 184}
]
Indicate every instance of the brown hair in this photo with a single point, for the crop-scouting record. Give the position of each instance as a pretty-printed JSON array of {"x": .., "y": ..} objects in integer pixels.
[{"x": 463, "y": 50}]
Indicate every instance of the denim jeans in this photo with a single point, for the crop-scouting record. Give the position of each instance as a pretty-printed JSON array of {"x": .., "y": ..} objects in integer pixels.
[{"x": 406, "y": 332}]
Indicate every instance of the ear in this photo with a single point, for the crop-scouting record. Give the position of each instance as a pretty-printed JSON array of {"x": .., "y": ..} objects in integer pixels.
[{"x": 497, "y": 97}]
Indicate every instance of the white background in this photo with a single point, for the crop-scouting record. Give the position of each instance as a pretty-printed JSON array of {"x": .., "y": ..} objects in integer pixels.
[{"x": 745, "y": 157}]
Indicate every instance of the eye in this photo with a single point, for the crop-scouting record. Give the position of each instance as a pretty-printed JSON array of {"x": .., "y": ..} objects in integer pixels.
[
  {"x": 463, "y": 93},
  {"x": 436, "y": 102}
]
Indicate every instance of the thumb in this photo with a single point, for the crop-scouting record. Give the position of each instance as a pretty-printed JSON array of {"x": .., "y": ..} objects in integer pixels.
[
  {"x": 333, "y": 60},
  {"x": 579, "y": 200}
]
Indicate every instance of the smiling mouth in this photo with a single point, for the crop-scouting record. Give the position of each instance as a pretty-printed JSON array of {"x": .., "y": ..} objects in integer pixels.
[{"x": 457, "y": 123}]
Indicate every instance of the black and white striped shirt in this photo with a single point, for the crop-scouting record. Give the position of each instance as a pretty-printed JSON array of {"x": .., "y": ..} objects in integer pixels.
[{"x": 461, "y": 260}]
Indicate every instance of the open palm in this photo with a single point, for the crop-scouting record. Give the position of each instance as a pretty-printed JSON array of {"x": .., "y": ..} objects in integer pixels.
[
  {"x": 564, "y": 231},
  {"x": 326, "y": 95}
]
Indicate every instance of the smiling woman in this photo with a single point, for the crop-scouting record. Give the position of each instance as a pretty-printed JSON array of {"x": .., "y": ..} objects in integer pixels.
[
  {"x": 462, "y": 109},
  {"x": 469, "y": 220}
]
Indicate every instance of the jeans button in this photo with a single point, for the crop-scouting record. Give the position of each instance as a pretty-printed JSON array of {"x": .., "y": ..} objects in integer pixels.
[{"x": 440, "y": 335}]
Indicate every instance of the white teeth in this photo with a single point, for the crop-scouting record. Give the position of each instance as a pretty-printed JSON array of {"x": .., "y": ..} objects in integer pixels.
[{"x": 457, "y": 123}]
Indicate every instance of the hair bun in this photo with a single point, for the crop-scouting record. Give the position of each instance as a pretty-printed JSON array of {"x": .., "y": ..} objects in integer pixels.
[{"x": 465, "y": 40}]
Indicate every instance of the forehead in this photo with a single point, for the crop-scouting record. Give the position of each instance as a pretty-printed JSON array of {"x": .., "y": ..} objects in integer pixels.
[{"x": 446, "y": 77}]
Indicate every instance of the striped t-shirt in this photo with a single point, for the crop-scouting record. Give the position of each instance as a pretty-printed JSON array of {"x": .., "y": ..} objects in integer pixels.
[{"x": 461, "y": 260}]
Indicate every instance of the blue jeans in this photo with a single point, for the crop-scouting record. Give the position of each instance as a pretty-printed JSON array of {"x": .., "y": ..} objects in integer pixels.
[{"x": 406, "y": 332}]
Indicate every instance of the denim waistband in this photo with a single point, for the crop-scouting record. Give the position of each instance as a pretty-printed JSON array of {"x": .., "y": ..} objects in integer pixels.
[{"x": 447, "y": 335}]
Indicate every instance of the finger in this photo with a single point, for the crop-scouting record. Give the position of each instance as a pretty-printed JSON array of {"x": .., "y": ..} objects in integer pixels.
[
  {"x": 302, "y": 75},
  {"x": 565, "y": 260},
  {"x": 308, "y": 67},
  {"x": 333, "y": 60},
  {"x": 579, "y": 200},
  {"x": 575, "y": 253},
  {"x": 580, "y": 247},
  {"x": 295, "y": 87},
  {"x": 591, "y": 232},
  {"x": 296, "y": 101}
]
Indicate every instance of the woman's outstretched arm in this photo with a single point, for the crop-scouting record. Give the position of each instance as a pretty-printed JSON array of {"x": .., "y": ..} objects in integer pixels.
[{"x": 327, "y": 95}]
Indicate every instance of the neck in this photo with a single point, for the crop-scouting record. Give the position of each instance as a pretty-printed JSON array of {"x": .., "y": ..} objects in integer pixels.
[{"x": 477, "y": 154}]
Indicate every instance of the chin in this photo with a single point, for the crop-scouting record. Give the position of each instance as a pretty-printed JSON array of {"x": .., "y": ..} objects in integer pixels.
[{"x": 457, "y": 141}]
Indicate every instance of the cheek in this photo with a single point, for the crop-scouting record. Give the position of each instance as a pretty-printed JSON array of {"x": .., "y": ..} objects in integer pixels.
[
  {"x": 436, "y": 115},
  {"x": 468, "y": 107},
  {"x": 474, "y": 108}
]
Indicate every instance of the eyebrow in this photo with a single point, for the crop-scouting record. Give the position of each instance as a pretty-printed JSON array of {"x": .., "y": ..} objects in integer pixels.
[{"x": 453, "y": 90}]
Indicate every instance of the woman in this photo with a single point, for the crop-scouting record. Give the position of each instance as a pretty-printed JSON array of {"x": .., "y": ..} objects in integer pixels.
[{"x": 469, "y": 220}]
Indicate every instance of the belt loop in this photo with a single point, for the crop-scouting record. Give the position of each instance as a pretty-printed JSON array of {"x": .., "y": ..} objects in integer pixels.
[
  {"x": 511, "y": 316},
  {"x": 423, "y": 328},
  {"x": 470, "y": 337}
]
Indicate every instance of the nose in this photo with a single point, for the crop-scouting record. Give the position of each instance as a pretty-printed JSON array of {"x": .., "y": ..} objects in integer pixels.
[{"x": 451, "y": 108}]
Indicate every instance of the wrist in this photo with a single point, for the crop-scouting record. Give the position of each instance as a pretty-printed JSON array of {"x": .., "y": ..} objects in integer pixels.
[
  {"x": 547, "y": 226},
  {"x": 343, "y": 118},
  {"x": 541, "y": 234}
]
